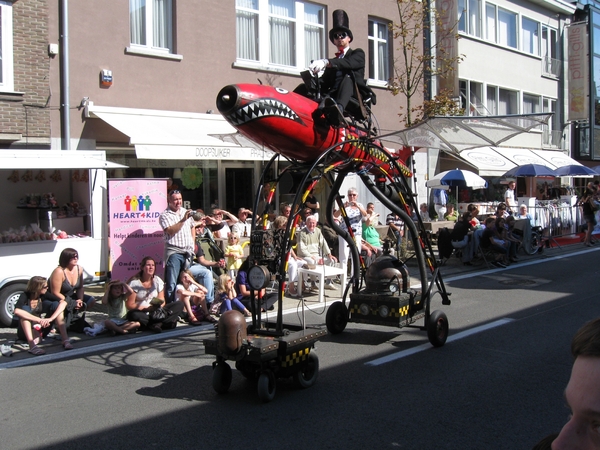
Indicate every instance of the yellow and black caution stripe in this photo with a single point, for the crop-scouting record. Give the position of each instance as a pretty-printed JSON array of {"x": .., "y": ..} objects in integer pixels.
[
  {"x": 295, "y": 358},
  {"x": 400, "y": 312}
]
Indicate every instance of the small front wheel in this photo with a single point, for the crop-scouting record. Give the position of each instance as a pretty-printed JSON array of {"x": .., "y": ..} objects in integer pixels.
[
  {"x": 267, "y": 385},
  {"x": 437, "y": 328},
  {"x": 221, "y": 379},
  {"x": 308, "y": 374},
  {"x": 337, "y": 317}
]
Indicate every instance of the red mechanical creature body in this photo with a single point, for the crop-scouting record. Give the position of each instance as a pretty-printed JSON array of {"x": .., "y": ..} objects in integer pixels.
[{"x": 292, "y": 125}]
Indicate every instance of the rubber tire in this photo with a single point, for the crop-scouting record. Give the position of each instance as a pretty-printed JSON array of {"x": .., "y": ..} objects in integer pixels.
[
  {"x": 221, "y": 379},
  {"x": 534, "y": 244},
  {"x": 437, "y": 328},
  {"x": 337, "y": 317},
  {"x": 8, "y": 299},
  {"x": 308, "y": 374},
  {"x": 267, "y": 386}
]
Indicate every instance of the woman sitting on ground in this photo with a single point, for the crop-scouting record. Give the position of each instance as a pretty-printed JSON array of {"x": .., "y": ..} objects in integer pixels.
[
  {"x": 116, "y": 297},
  {"x": 149, "y": 296},
  {"x": 66, "y": 284},
  {"x": 193, "y": 296},
  {"x": 31, "y": 327}
]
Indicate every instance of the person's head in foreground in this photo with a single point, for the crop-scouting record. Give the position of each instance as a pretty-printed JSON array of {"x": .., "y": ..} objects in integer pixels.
[{"x": 582, "y": 395}]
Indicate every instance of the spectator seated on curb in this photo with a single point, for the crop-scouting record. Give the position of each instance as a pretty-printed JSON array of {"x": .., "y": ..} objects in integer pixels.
[
  {"x": 461, "y": 238},
  {"x": 28, "y": 320},
  {"x": 491, "y": 242},
  {"x": 115, "y": 298}
]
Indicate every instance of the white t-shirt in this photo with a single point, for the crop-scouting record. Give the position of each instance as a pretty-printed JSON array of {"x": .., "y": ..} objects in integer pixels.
[
  {"x": 181, "y": 287},
  {"x": 144, "y": 295},
  {"x": 509, "y": 196}
]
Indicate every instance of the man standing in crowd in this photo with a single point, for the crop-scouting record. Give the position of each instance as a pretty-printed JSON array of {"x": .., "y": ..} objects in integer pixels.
[
  {"x": 177, "y": 224},
  {"x": 509, "y": 198},
  {"x": 440, "y": 199}
]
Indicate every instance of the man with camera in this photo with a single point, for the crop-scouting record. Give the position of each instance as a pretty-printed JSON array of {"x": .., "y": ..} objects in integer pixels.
[{"x": 178, "y": 226}]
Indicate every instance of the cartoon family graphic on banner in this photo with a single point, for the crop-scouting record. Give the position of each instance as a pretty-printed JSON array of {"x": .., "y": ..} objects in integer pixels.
[{"x": 134, "y": 206}]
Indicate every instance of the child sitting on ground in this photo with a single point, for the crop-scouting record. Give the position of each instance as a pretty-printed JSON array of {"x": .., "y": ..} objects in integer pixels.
[
  {"x": 227, "y": 297},
  {"x": 116, "y": 295},
  {"x": 193, "y": 296}
]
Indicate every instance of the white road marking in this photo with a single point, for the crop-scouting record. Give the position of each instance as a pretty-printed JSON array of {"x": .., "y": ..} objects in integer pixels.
[{"x": 423, "y": 347}]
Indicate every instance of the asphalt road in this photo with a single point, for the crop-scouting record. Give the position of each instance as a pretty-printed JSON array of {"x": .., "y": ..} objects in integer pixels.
[{"x": 497, "y": 388}]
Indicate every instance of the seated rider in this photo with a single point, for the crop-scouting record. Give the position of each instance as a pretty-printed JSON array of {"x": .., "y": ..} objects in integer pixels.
[{"x": 340, "y": 75}]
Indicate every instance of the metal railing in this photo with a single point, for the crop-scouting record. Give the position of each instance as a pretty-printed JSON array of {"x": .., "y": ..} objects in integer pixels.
[
  {"x": 551, "y": 66},
  {"x": 552, "y": 138},
  {"x": 556, "y": 219}
]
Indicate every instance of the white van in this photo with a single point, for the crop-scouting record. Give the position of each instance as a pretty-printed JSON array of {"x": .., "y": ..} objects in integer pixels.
[{"x": 29, "y": 180}]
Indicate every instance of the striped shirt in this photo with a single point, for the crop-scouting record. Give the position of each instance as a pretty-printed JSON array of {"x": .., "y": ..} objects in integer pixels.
[{"x": 183, "y": 238}]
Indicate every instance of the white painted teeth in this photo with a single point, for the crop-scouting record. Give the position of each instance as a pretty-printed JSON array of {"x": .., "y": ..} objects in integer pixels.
[{"x": 263, "y": 108}]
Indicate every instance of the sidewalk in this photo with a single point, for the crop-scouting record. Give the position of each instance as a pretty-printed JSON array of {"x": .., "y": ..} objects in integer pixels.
[{"x": 104, "y": 342}]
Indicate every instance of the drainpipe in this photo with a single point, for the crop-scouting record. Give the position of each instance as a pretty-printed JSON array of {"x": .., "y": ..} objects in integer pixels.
[{"x": 64, "y": 75}]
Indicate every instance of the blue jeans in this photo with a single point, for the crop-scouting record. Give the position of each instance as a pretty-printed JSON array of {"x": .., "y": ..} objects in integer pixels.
[
  {"x": 398, "y": 239},
  {"x": 175, "y": 265},
  {"x": 204, "y": 276}
]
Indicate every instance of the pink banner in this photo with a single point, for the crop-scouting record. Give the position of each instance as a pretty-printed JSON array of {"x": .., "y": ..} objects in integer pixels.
[{"x": 134, "y": 206}]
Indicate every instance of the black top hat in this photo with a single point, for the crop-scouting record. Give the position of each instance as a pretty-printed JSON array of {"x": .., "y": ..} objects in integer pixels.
[{"x": 340, "y": 23}]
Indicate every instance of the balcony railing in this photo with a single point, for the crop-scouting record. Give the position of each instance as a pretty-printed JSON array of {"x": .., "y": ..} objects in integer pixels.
[
  {"x": 552, "y": 138},
  {"x": 551, "y": 66}
]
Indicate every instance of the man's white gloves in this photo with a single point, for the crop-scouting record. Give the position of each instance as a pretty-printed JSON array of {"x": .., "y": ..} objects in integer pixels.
[{"x": 317, "y": 67}]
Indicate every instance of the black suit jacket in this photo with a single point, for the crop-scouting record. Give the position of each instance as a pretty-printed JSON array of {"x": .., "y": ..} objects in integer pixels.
[{"x": 352, "y": 62}]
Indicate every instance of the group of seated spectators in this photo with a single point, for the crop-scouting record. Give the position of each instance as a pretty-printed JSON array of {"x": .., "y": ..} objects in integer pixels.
[{"x": 496, "y": 234}]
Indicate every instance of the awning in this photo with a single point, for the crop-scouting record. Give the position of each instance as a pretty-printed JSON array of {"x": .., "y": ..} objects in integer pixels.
[
  {"x": 55, "y": 159},
  {"x": 487, "y": 161},
  {"x": 495, "y": 161},
  {"x": 458, "y": 133},
  {"x": 178, "y": 135}
]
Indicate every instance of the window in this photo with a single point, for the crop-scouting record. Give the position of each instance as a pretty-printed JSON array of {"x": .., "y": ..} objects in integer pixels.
[
  {"x": 507, "y": 102},
  {"x": 490, "y": 22},
  {"x": 507, "y": 28},
  {"x": 379, "y": 51},
  {"x": 284, "y": 34},
  {"x": 469, "y": 20},
  {"x": 151, "y": 24},
  {"x": 471, "y": 98},
  {"x": 531, "y": 104},
  {"x": 530, "y": 36},
  {"x": 551, "y": 65},
  {"x": 492, "y": 100},
  {"x": 6, "y": 47}
]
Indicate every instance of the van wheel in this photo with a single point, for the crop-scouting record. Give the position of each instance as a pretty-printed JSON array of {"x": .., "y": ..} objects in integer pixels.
[{"x": 8, "y": 300}]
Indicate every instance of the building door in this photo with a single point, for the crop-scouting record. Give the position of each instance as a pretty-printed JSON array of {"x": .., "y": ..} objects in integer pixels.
[{"x": 239, "y": 187}]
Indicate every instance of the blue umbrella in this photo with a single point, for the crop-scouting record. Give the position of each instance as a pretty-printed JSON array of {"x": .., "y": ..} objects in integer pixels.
[
  {"x": 456, "y": 178},
  {"x": 530, "y": 170},
  {"x": 576, "y": 170}
]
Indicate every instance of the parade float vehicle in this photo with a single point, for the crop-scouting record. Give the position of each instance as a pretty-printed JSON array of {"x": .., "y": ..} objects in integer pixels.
[{"x": 294, "y": 127}]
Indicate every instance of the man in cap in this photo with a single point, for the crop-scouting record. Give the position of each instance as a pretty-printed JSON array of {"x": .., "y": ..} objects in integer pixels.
[{"x": 341, "y": 75}]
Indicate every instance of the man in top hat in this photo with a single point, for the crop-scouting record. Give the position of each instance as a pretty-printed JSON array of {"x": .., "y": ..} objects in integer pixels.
[{"x": 340, "y": 75}]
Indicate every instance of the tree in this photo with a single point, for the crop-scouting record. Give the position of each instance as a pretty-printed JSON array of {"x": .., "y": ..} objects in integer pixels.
[{"x": 418, "y": 60}]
